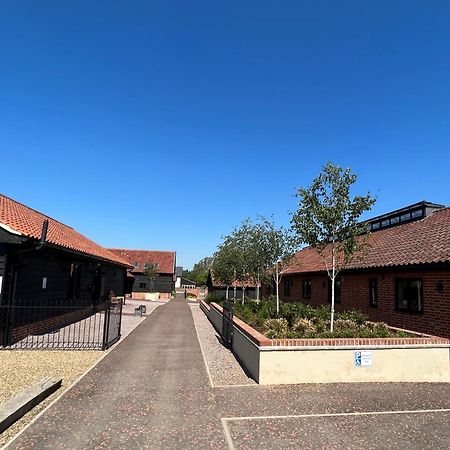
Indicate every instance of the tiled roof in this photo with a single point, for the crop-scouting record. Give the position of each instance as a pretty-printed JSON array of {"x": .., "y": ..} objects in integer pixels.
[
  {"x": 26, "y": 221},
  {"x": 239, "y": 284},
  {"x": 426, "y": 241},
  {"x": 165, "y": 261}
]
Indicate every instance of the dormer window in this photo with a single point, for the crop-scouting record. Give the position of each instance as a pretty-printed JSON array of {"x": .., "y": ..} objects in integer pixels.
[{"x": 136, "y": 264}]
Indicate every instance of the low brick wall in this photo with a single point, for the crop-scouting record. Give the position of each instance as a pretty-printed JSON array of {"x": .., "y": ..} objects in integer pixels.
[
  {"x": 148, "y": 295},
  {"x": 285, "y": 361},
  {"x": 45, "y": 325}
]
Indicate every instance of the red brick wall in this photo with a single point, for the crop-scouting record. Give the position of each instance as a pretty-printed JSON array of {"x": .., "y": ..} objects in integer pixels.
[
  {"x": 44, "y": 325},
  {"x": 434, "y": 320}
]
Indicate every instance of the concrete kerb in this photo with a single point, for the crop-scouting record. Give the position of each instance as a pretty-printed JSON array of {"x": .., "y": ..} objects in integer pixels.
[{"x": 105, "y": 353}]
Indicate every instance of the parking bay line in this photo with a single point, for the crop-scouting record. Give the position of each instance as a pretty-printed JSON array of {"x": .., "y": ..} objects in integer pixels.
[{"x": 229, "y": 439}]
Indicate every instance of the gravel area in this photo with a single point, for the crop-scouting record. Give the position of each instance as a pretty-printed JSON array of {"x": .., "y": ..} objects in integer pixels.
[
  {"x": 19, "y": 369},
  {"x": 129, "y": 320},
  {"x": 223, "y": 366}
]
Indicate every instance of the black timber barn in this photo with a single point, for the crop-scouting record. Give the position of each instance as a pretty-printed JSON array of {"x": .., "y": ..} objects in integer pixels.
[{"x": 44, "y": 262}]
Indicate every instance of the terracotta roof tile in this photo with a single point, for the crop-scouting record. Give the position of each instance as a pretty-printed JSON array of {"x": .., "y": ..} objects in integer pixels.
[
  {"x": 28, "y": 222},
  {"x": 165, "y": 260},
  {"x": 426, "y": 241}
]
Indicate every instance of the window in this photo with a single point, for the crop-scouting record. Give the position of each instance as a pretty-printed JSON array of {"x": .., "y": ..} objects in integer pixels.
[
  {"x": 74, "y": 281},
  {"x": 408, "y": 295},
  {"x": 306, "y": 289},
  {"x": 375, "y": 225},
  {"x": 44, "y": 282},
  {"x": 385, "y": 223},
  {"x": 337, "y": 290},
  {"x": 287, "y": 288},
  {"x": 136, "y": 264},
  {"x": 142, "y": 285},
  {"x": 405, "y": 217},
  {"x": 373, "y": 292},
  {"x": 395, "y": 220},
  {"x": 417, "y": 214}
]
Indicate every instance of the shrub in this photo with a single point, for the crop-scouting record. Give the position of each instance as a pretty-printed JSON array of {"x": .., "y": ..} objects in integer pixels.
[
  {"x": 212, "y": 298},
  {"x": 320, "y": 324},
  {"x": 322, "y": 312},
  {"x": 354, "y": 315},
  {"x": 345, "y": 325},
  {"x": 276, "y": 328},
  {"x": 304, "y": 327}
]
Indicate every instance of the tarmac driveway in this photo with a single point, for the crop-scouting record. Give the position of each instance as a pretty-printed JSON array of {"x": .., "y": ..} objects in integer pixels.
[{"x": 153, "y": 391}]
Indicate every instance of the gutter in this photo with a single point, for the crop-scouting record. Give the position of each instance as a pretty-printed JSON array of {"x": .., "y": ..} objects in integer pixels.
[{"x": 9, "y": 229}]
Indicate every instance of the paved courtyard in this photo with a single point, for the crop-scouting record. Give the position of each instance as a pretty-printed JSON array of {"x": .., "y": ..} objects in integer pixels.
[{"x": 162, "y": 388}]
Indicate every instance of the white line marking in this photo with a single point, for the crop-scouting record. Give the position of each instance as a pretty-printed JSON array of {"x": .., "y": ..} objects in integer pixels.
[
  {"x": 367, "y": 413},
  {"x": 203, "y": 353},
  {"x": 105, "y": 353},
  {"x": 226, "y": 432},
  {"x": 236, "y": 385}
]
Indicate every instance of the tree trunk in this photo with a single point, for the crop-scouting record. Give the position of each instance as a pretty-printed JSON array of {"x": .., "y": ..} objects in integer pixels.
[
  {"x": 226, "y": 295},
  {"x": 278, "y": 290},
  {"x": 257, "y": 289},
  {"x": 234, "y": 287},
  {"x": 332, "y": 293},
  {"x": 243, "y": 294}
]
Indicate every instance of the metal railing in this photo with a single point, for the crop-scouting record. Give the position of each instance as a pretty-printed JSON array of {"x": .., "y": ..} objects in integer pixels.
[{"x": 52, "y": 324}]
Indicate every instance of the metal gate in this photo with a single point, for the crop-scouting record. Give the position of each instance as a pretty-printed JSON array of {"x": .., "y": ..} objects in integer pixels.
[
  {"x": 227, "y": 324},
  {"x": 113, "y": 321},
  {"x": 60, "y": 325}
]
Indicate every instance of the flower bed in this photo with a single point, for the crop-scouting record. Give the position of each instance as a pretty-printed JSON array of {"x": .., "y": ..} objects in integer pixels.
[
  {"x": 416, "y": 358},
  {"x": 297, "y": 320}
]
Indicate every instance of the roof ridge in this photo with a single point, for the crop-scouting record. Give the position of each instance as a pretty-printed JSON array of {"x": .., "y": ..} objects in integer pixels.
[
  {"x": 141, "y": 250},
  {"x": 36, "y": 211}
]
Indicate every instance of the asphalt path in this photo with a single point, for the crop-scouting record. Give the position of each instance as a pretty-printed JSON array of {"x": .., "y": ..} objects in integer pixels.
[{"x": 153, "y": 392}]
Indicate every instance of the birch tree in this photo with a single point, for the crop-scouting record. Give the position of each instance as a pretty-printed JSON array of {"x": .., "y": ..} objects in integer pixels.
[
  {"x": 276, "y": 250},
  {"x": 328, "y": 219}
]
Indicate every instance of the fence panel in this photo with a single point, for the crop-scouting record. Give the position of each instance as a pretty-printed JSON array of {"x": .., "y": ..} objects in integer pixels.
[{"x": 59, "y": 325}]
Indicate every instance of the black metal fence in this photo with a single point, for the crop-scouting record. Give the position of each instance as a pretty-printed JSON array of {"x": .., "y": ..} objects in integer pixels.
[
  {"x": 227, "y": 324},
  {"x": 60, "y": 325}
]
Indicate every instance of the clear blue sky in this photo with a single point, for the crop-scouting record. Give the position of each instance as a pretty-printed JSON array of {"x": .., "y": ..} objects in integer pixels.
[{"x": 161, "y": 124}]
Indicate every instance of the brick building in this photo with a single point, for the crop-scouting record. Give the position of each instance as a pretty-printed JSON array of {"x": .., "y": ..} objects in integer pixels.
[{"x": 402, "y": 278}]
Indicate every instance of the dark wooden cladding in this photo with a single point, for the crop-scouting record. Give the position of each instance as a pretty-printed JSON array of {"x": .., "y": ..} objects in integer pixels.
[
  {"x": 162, "y": 283},
  {"x": 33, "y": 267}
]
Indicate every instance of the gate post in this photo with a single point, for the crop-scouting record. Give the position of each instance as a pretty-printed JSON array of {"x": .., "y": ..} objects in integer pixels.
[
  {"x": 106, "y": 324},
  {"x": 227, "y": 324}
]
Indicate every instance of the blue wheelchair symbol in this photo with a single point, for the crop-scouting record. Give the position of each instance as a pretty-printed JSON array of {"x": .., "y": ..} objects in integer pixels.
[{"x": 358, "y": 359}]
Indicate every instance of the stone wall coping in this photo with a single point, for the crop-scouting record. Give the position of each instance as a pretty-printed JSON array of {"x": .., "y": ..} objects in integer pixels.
[
  {"x": 205, "y": 305},
  {"x": 262, "y": 341}
]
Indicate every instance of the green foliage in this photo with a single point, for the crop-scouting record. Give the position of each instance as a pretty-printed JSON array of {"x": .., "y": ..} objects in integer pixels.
[
  {"x": 354, "y": 315},
  {"x": 327, "y": 213},
  {"x": 151, "y": 272},
  {"x": 212, "y": 298},
  {"x": 199, "y": 273},
  {"x": 276, "y": 328},
  {"x": 297, "y": 320},
  {"x": 328, "y": 219}
]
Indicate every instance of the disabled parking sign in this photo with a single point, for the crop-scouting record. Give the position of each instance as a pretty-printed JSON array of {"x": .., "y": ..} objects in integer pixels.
[{"x": 363, "y": 358}]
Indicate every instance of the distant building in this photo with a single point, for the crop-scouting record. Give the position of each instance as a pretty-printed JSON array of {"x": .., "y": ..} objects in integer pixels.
[
  {"x": 164, "y": 263},
  {"x": 219, "y": 289},
  {"x": 182, "y": 282},
  {"x": 403, "y": 278}
]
